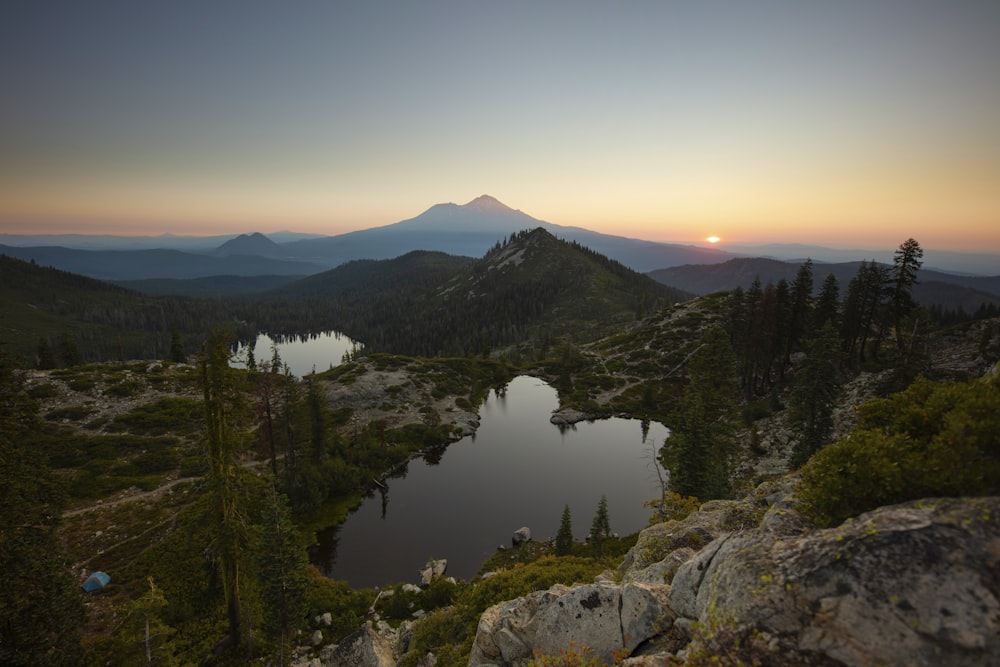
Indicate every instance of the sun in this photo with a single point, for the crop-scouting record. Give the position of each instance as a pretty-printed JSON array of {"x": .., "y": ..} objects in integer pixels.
[{"x": 713, "y": 239}]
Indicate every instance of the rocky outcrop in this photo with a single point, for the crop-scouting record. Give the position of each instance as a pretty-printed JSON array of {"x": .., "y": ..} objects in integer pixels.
[
  {"x": 569, "y": 416},
  {"x": 433, "y": 569},
  {"x": 604, "y": 617},
  {"x": 911, "y": 584},
  {"x": 365, "y": 648}
]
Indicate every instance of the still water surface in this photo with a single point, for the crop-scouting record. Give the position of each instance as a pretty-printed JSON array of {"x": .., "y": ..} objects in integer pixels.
[
  {"x": 302, "y": 354},
  {"x": 518, "y": 470}
]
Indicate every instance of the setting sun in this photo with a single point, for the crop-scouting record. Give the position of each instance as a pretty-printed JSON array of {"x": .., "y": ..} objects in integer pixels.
[{"x": 713, "y": 239}]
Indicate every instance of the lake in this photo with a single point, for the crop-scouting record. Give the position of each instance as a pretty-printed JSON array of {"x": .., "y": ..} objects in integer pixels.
[
  {"x": 517, "y": 470},
  {"x": 302, "y": 354}
]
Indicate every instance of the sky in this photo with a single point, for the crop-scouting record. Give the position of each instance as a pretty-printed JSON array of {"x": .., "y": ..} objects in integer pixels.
[{"x": 855, "y": 123}]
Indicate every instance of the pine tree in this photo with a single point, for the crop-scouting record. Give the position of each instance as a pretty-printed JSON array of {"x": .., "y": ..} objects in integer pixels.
[
  {"x": 905, "y": 266},
  {"x": 46, "y": 358},
  {"x": 697, "y": 452},
  {"x": 69, "y": 351},
  {"x": 317, "y": 419},
  {"x": 144, "y": 637},
  {"x": 564, "y": 537},
  {"x": 222, "y": 403},
  {"x": 600, "y": 528},
  {"x": 282, "y": 567},
  {"x": 812, "y": 401},
  {"x": 801, "y": 309},
  {"x": 177, "y": 347},
  {"x": 827, "y": 303}
]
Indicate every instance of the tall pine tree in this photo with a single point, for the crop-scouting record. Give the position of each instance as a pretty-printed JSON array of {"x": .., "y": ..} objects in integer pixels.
[{"x": 698, "y": 451}]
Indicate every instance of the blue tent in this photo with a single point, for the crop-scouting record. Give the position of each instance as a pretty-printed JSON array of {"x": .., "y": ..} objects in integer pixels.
[{"x": 96, "y": 581}]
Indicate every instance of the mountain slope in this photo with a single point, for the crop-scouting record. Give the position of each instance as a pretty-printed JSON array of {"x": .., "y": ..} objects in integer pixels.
[{"x": 532, "y": 288}]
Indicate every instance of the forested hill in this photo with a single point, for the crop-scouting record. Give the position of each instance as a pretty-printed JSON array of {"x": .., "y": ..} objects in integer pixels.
[
  {"x": 80, "y": 319},
  {"x": 526, "y": 291},
  {"x": 416, "y": 270}
]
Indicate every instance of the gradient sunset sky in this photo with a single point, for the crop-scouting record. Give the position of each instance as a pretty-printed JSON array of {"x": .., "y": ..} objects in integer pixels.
[{"x": 853, "y": 123}]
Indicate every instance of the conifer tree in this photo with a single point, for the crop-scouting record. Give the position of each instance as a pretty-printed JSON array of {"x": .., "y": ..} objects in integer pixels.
[
  {"x": 812, "y": 401},
  {"x": 697, "y": 452},
  {"x": 46, "y": 358},
  {"x": 564, "y": 537},
  {"x": 600, "y": 528},
  {"x": 177, "y": 347},
  {"x": 282, "y": 570},
  {"x": 827, "y": 304},
  {"x": 230, "y": 547},
  {"x": 69, "y": 351},
  {"x": 801, "y": 309},
  {"x": 906, "y": 264},
  {"x": 144, "y": 637}
]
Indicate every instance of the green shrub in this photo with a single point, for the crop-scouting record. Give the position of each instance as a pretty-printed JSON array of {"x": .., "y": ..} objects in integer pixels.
[
  {"x": 43, "y": 391},
  {"x": 168, "y": 415},
  {"x": 125, "y": 388},
  {"x": 82, "y": 384},
  {"x": 446, "y": 633},
  {"x": 348, "y": 607},
  {"x": 71, "y": 412},
  {"x": 933, "y": 439}
]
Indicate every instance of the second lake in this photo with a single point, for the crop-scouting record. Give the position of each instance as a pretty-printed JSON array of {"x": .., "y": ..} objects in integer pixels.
[{"x": 517, "y": 470}]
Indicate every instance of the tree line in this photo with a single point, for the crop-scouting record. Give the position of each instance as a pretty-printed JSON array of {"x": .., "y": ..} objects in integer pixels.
[{"x": 749, "y": 357}]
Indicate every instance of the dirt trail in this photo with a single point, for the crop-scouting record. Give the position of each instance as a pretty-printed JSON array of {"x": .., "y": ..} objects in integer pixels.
[{"x": 131, "y": 498}]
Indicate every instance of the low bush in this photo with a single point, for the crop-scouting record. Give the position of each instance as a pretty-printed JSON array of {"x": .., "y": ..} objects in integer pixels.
[{"x": 931, "y": 440}]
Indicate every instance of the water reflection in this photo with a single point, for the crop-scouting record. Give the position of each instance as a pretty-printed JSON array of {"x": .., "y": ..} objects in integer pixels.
[
  {"x": 303, "y": 354},
  {"x": 459, "y": 503}
]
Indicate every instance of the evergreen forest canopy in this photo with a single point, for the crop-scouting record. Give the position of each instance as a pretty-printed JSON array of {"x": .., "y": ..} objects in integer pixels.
[{"x": 216, "y": 573}]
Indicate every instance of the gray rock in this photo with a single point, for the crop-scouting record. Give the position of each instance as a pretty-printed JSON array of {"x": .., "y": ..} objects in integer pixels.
[
  {"x": 433, "y": 568},
  {"x": 521, "y": 535},
  {"x": 601, "y": 618},
  {"x": 911, "y": 584},
  {"x": 587, "y": 616},
  {"x": 365, "y": 648}
]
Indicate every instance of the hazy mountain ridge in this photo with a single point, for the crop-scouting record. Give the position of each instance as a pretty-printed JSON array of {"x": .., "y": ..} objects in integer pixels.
[
  {"x": 471, "y": 229},
  {"x": 933, "y": 288},
  {"x": 468, "y": 230},
  {"x": 255, "y": 244},
  {"x": 112, "y": 265},
  {"x": 951, "y": 262},
  {"x": 187, "y": 243}
]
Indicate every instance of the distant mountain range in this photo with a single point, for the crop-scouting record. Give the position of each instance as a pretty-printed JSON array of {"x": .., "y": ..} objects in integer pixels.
[
  {"x": 121, "y": 265},
  {"x": 468, "y": 230},
  {"x": 472, "y": 229}
]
